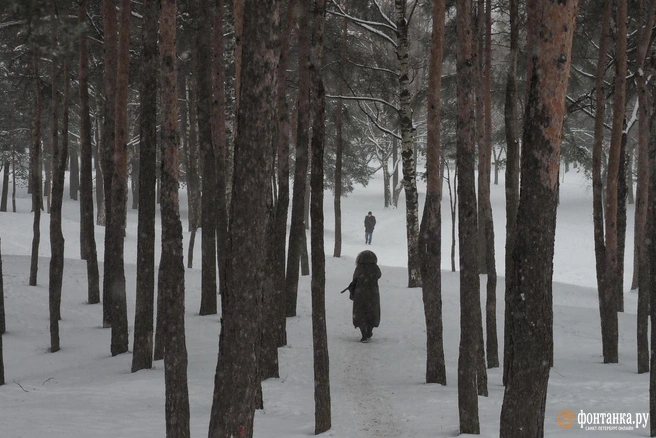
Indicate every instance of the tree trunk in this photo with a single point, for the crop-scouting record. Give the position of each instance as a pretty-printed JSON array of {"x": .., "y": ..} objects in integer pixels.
[
  {"x": 642, "y": 195},
  {"x": 281, "y": 137},
  {"x": 13, "y": 179},
  {"x": 470, "y": 306},
  {"x": 220, "y": 142},
  {"x": 525, "y": 395},
  {"x": 322, "y": 414},
  {"x": 651, "y": 251},
  {"x": 407, "y": 147},
  {"x": 110, "y": 64},
  {"x": 100, "y": 192},
  {"x": 236, "y": 375},
  {"x": 74, "y": 170},
  {"x": 35, "y": 174},
  {"x": 511, "y": 116},
  {"x": 339, "y": 142},
  {"x": 622, "y": 189},
  {"x": 395, "y": 175},
  {"x": 194, "y": 200},
  {"x": 3, "y": 326},
  {"x": 5, "y": 186},
  {"x": 609, "y": 294},
  {"x": 171, "y": 265},
  {"x": 430, "y": 232},
  {"x": 142, "y": 357},
  {"x": 116, "y": 224},
  {"x": 87, "y": 233},
  {"x": 297, "y": 229},
  {"x": 208, "y": 300},
  {"x": 492, "y": 346},
  {"x": 60, "y": 155}
]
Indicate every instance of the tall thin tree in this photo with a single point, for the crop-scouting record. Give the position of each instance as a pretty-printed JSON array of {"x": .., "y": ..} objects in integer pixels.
[
  {"x": 467, "y": 230},
  {"x": 339, "y": 139},
  {"x": 511, "y": 116},
  {"x": 322, "y": 412},
  {"x": 107, "y": 148},
  {"x": 651, "y": 250},
  {"x": 525, "y": 395},
  {"x": 235, "y": 384},
  {"x": 407, "y": 146},
  {"x": 171, "y": 280},
  {"x": 612, "y": 285},
  {"x": 35, "y": 172},
  {"x": 430, "y": 234},
  {"x": 297, "y": 228},
  {"x": 87, "y": 233},
  {"x": 143, "y": 314},
  {"x": 208, "y": 300},
  {"x": 116, "y": 223}
]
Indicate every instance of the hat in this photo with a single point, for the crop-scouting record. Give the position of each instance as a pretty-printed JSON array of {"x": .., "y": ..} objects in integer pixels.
[{"x": 369, "y": 213}]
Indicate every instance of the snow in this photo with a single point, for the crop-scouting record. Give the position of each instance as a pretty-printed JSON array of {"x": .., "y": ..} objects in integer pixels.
[{"x": 377, "y": 389}]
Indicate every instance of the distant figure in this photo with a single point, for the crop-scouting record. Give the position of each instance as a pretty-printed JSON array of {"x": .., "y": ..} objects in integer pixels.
[
  {"x": 365, "y": 294},
  {"x": 369, "y": 224}
]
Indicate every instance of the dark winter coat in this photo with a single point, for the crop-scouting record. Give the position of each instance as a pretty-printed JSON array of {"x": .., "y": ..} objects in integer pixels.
[
  {"x": 369, "y": 223},
  {"x": 365, "y": 293}
]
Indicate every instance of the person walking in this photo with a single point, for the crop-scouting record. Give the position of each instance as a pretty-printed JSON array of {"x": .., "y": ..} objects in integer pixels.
[
  {"x": 365, "y": 294},
  {"x": 369, "y": 224}
]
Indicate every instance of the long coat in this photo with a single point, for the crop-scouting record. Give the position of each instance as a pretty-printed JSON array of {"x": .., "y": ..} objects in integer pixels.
[{"x": 366, "y": 296}]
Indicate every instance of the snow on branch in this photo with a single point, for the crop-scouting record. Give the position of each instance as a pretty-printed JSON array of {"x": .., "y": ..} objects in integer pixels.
[
  {"x": 364, "y": 98},
  {"x": 368, "y": 25}
]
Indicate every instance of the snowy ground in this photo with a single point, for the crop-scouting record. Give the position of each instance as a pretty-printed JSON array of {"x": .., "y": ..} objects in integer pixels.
[{"x": 377, "y": 388}]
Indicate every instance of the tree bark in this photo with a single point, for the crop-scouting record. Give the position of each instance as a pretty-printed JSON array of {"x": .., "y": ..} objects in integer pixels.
[
  {"x": 339, "y": 142},
  {"x": 651, "y": 251},
  {"x": 492, "y": 346},
  {"x": 110, "y": 63},
  {"x": 87, "y": 232},
  {"x": 5, "y": 186},
  {"x": 220, "y": 142},
  {"x": 297, "y": 228},
  {"x": 208, "y": 300},
  {"x": 470, "y": 307},
  {"x": 430, "y": 232},
  {"x": 322, "y": 413},
  {"x": 511, "y": 116},
  {"x": 609, "y": 295},
  {"x": 116, "y": 224},
  {"x": 74, "y": 170},
  {"x": 236, "y": 379},
  {"x": 100, "y": 192},
  {"x": 3, "y": 326},
  {"x": 35, "y": 173},
  {"x": 171, "y": 265},
  {"x": 142, "y": 357},
  {"x": 642, "y": 193},
  {"x": 525, "y": 395},
  {"x": 407, "y": 147}
]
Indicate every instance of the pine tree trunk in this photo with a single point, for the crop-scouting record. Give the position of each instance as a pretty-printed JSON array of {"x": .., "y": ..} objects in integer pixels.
[
  {"x": 142, "y": 357},
  {"x": 322, "y": 413},
  {"x": 100, "y": 192},
  {"x": 430, "y": 232},
  {"x": 467, "y": 230},
  {"x": 13, "y": 180},
  {"x": 622, "y": 190},
  {"x": 641, "y": 209},
  {"x": 116, "y": 224},
  {"x": 220, "y": 142},
  {"x": 609, "y": 293},
  {"x": 193, "y": 160},
  {"x": 3, "y": 326},
  {"x": 74, "y": 169},
  {"x": 524, "y": 403},
  {"x": 511, "y": 116},
  {"x": 208, "y": 300},
  {"x": 5, "y": 186},
  {"x": 339, "y": 142},
  {"x": 110, "y": 63},
  {"x": 651, "y": 251},
  {"x": 407, "y": 147},
  {"x": 35, "y": 174},
  {"x": 171, "y": 282},
  {"x": 236, "y": 375},
  {"x": 297, "y": 229},
  {"x": 87, "y": 233},
  {"x": 282, "y": 139}
]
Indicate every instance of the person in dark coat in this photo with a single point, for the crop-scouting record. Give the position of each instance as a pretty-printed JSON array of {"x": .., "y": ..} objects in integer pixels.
[
  {"x": 369, "y": 224},
  {"x": 365, "y": 294}
]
